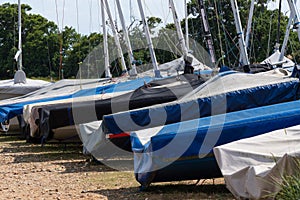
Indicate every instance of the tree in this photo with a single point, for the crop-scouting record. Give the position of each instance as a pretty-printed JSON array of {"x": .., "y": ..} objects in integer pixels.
[
  {"x": 39, "y": 38},
  {"x": 7, "y": 39},
  {"x": 78, "y": 48},
  {"x": 222, "y": 27}
]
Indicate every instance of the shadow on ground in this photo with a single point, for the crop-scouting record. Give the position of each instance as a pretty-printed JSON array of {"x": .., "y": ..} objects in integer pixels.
[{"x": 172, "y": 191}]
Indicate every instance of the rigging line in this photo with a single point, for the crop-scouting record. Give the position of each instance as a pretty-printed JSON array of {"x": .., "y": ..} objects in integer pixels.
[
  {"x": 63, "y": 15},
  {"x": 230, "y": 37},
  {"x": 161, "y": 5},
  {"x": 253, "y": 41},
  {"x": 166, "y": 17},
  {"x": 147, "y": 8},
  {"x": 227, "y": 41},
  {"x": 279, "y": 19},
  {"x": 57, "y": 17},
  {"x": 49, "y": 61},
  {"x": 116, "y": 16},
  {"x": 91, "y": 17},
  {"x": 219, "y": 32},
  {"x": 79, "y": 44},
  {"x": 15, "y": 26},
  {"x": 60, "y": 38},
  {"x": 269, "y": 39},
  {"x": 99, "y": 14},
  {"x": 89, "y": 38},
  {"x": 259, "y": 47},
  {"x": 171, "y": 43},
  {"x": 251, "y": 52},
  {"x": 77, "y": 16},
  {"x": 131, "y": 11},
  {"x": 293, "y": 50}
]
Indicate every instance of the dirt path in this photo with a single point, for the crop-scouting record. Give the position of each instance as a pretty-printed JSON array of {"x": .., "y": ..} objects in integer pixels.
[{"x": 30, "y": 171}]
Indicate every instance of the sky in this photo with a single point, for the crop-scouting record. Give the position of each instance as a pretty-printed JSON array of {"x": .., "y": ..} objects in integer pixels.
[
  {"x": 89, "y": 15},
  {"x": 86, "y": 17}
]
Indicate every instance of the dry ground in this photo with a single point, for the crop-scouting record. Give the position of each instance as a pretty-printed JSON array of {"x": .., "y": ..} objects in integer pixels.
[{"x": 30, "y": 171}]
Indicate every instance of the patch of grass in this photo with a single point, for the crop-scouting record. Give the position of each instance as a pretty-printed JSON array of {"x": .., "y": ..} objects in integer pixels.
[{"x": 290, "y": 186}]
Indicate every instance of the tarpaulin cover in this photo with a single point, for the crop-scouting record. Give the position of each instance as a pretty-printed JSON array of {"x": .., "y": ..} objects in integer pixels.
[
  {"x": 185, "y": 150},
  {"x": 156, "y": 92},
  {"x": 65, "y": 89},
  {"x": 226, "y": 92},
  {"x": 254, "y": 168},
  {"x": 9, "y": 89}
]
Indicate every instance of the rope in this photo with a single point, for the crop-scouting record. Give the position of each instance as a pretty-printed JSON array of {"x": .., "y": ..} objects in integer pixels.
[
  {"x": 252, "y": 47},
  {"x": 89, "y": 38},
  {"x": 77, "y": 16},
  {"x": 60, "y": 37},
  {"x": 56, "y": 9},
  {"x": 79, "y": 48},
  {"x": 14, "y": 63},
  {"x": 219, "y": 31},
  {"x": 293, "y": 50},
  {"x": 63, "y": 15}
]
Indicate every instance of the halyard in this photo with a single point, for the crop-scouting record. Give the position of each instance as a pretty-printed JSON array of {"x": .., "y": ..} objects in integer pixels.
[{"x": 29, "y": 171}]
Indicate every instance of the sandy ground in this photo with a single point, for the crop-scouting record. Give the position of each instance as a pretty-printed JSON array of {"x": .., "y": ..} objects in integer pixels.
[{"x": 30, "y": 171}]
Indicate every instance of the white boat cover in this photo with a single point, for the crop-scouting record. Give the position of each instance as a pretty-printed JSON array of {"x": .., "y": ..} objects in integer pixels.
[
  {"x": 9, "y": 89},
  {"x": 63, "y": 87},
  {"x": 253, "y": 168},
  {"x": 274, "y": 60},
  {"x": 176, "y": 67}
]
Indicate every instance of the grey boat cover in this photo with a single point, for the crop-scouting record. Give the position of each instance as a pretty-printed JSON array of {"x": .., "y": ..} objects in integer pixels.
[
  {"x": 10, "y": 89},
  {"x": 254, "y": 168}
]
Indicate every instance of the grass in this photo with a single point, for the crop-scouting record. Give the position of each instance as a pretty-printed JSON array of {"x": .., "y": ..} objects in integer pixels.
[{"x": 290, "y": 186}]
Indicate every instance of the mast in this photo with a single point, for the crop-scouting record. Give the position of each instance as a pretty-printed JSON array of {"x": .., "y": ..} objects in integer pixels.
[
  {"x": 126, "y": 37},
  {"x": 149, "y": 40},
  {"x": 178, "y": 28},
  {"x": 187, "y": 43},
  {"x": 207, "y": 32},
  {"x": 287, "y": 35},
  {"x": 293, "y": 8},
  {"x": 238, "y": 24},
  {"x": 249, "y": 26},
  {"x": 20, "y": 76},
  {"x": 116, "y": 37},
  {"x": 18, "y": 56},
  {"x": 105, "y": 43},
  {"x": 278, "y": 26}
]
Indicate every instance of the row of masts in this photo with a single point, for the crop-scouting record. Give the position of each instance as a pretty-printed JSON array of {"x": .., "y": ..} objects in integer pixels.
[
  {"x": 183, "y": 41},
  {"x": 243, "y": 38},
  {"x": 133, "y": 71},
  {"x": 244, "y": 42}
]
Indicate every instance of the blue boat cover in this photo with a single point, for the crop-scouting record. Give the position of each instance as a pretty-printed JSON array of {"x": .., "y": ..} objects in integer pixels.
[
  {"x": 260, "y": 95},
  {"x": 9, "y": 111},
  {"x": 183, "y": 151}
]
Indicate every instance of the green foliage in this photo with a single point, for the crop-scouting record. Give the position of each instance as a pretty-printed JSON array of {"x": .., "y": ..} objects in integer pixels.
[
  {"x": 221, "y": 20},
  {"x": 42, "y": 40},
  {"x": 41, "y": 45},
  {"x": 290, "y": 186}
]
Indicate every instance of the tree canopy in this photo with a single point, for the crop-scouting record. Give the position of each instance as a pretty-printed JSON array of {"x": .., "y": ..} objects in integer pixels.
[
  {"x": 263, "y": 34},
  {"x": 47, "y": 51}
]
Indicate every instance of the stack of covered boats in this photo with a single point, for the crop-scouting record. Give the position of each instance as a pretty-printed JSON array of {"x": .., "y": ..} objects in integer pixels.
[
  {"x": 171, "y": 125},
  {"x": 175, "y": 141}
]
